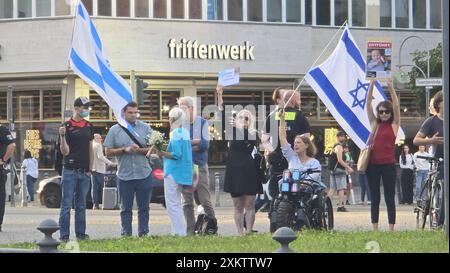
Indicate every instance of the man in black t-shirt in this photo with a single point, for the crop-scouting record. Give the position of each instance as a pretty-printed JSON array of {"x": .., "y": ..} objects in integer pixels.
[
  {"x": 76, "y": 136},
  {"x": 296, "y": 124},
  {"x": 7, "y": 147}
]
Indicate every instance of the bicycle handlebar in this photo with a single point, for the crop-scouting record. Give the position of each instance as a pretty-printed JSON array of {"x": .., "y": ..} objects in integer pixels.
[{"x": 430, "y": 158}]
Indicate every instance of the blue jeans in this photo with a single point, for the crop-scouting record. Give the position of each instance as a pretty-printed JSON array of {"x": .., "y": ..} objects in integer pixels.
[
  {"x": 421, "y": 175},
  {"x": 98, "y": 180},
  {"x": 75, "y": 184},
  {"x": 30, "y": 186},
  {"x": 364, "y": 187},
  {"x": 142, "y": 188}
]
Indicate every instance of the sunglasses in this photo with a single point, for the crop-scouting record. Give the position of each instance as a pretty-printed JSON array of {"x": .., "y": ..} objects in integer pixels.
[{"x": 387, "y": 112}]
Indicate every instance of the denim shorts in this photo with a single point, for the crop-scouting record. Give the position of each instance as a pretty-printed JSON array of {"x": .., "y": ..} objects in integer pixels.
[{"x": 338, "y": 180}]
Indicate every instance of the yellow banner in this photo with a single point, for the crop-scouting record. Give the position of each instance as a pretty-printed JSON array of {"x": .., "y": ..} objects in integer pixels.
[
  {"x": 330, "y": 139},
  {"x": 287, "y": 116},
  {"x": 33, "y": 142}
]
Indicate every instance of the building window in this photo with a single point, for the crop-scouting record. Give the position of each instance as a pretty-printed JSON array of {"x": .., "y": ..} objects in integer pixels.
[
  {"x": 151, "y": 109},
  {"x": 99, "y": 107},
  {"x": 159, "y": 9},
  {"x": 419, "y": 14},
  {"x": 169, "y": 100},
  {"x": 3, "y": 105},
  {"x": 51, "y": 108},
  {"x": 61, "y": 8},
  {"x": 6, "y": 9},
  {"x": 123, "y": 8},
  {"x": 309, "y": 104},
  {"x": 43, "y": 8},
  {"x": 254, "y": 10},
  {"x": 26, "y": 105},
  {"x": 274, "y": 10},
  {"x": 215, "y": 10},
  {"x": 402, "y": 13},
  {"x": 23, "y": 8},
  {"x": 141, "y": 8},
  {"x": 359, "y": 13},
  {"x": 340, "y": 12},
  {"x": 195, "y": 9},
  {"x": 385, "y": 13},
  {"x": 88, "y": 5},
  {"x": 308, "y": 12},
  {"x": 235, "y": 10},
  {"x": 323, "y": 12},
  {"x": 104, "y": 8},
  {"x": 293, "y": 11},
  {"x": 435, "y": 14},
  {"x": 177, "y": 9}
]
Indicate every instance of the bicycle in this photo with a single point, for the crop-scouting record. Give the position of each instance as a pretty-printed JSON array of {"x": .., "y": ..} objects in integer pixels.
[{"x": 429, "y": 207}]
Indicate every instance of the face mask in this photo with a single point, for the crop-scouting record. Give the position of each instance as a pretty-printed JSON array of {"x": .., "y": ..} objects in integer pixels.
[{"x": 84, "y": 113}]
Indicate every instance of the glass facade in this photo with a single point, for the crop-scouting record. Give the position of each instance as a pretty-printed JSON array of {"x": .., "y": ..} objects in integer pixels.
[
  {"x": 254, "y": 10},
  {"x": 177, "y": 9},
  {"x": 402, "y": 13},
  {"x": 385, "y": 13},
  {"x": 419, "y": 16},
  {"x": 123, "y": 8},
  {"x": 6, "y": 9},
  {"x": 359, "y": 13},
  {"x": 104, "y": 7},
  {"x": 159, "y": 9},
  {"x": 195, "y": 9},
  {"x": 340, "y": 12},
  {"x": 62, "y": 8},
  {"x": 215, "y": 10},
  {"x": 274, "y": 10},
  {"x": 235, "y": 10},
  {"x": 23, "y": 8},
  {"x": 435, "y": 14},
  {"x": 141, "y": 8},
  {"x": 293, "y": 11},
  {"x": 43, "y": 8},
  {"x": 323, "y": 12}
]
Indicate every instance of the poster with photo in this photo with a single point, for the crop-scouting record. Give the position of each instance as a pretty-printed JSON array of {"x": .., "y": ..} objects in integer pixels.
[{"x": 379, "y": 59}]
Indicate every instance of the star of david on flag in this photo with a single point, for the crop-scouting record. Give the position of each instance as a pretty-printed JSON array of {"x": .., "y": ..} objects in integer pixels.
[{"x": 340, "y": 82}]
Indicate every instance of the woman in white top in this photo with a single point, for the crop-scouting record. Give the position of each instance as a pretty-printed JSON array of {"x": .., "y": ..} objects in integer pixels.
[
  {"x": 30, "y": 165},
  {"x": 422, "y": 168},
  {"x": 406, "y": 161},
  {"x": 302, "y": 156}
]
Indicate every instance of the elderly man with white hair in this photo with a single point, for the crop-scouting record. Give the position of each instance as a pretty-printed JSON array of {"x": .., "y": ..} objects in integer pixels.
[{"x": 177, "y": 169}]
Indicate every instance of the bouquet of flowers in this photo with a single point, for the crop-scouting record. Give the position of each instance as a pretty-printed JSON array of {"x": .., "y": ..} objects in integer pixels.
[{"x": 156, "y": 139}]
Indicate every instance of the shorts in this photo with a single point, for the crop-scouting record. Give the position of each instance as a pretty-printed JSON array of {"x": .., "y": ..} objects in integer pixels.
[{"x": 338, "y": 180}]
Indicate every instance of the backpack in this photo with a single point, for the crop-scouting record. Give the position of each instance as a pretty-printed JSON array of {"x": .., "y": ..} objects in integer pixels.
[{"x": 205, "y": 225}]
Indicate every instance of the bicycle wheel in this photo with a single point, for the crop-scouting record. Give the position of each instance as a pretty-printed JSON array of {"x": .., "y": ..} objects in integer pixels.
[
  {"x": 436, "y": 205},
  {"x": 422, "y": 207}
]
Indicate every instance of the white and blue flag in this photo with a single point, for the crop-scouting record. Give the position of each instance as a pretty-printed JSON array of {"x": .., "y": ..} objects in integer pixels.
[
  {"x": 340, "y": 82},
  {"x": 89, "y": 63}
]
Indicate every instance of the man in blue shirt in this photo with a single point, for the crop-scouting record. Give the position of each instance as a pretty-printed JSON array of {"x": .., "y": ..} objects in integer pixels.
[
  {"x": 199, "y": 133},
  {"x": 134, "y": 171}
]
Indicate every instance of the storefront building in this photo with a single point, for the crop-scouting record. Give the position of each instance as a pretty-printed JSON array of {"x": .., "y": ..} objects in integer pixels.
[{"x": 179, "y": 46}]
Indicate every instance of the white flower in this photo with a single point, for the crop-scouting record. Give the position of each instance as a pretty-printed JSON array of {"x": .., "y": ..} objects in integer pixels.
[{"x": 156, "y": 139}]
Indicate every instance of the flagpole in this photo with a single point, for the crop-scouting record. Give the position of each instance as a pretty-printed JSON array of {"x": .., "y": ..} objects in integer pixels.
[
  {"x": 68, "y": 59},
  {"x": 317, "y": 59}
]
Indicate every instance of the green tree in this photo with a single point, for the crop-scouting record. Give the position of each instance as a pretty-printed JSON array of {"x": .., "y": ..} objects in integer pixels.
[{"x": 420, "y": 59}]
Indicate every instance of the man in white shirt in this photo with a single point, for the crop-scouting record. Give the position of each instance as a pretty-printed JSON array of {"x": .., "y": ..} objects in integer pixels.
[
  {"x": 423, "y": 166},
  {"x": 99, "y": 170}
]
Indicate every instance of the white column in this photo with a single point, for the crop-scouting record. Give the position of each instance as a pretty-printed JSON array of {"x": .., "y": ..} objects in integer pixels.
[
  {"x": 332, "y": 11},
  {"x": 283, "y": 11},
  {"x": 264, "y": 10},
  {"x": 132, "y": 8},
  {"x": 33, "y": 8},
  {"x": 204, "y": 10},
  {"x": 393, "y": 17},
  {"x": 350, "y": 12},
  {"x": 186, "y": 9},
  {"x": 94, "y": 7},
  {"x": 169, "y": 9},
  {"x": 150, "y": 8},
  {"x": 314, "y": 21},
  {"x": 15, "y": 9},
  {"x": 52, "y": 8},
  {"x": 303, "y": 12},
  {"x": 113, "y": 8},
  {"x": 225, "y": 10},
  {"x": 411, "y": 14},
  {"x": 428, "y": 14},
  {"x": 244, "y": 10}
]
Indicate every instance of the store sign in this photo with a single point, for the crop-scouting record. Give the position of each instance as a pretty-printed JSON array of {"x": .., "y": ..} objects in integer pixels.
[
  {"x": 330, "y": 140},
  {"x": 429, "y": 82},
  {"x": 187, "y": 49},
  {"x": 33, "y": 142}
]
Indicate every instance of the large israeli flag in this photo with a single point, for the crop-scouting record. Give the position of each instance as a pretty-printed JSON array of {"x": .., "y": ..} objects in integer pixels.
[
  {"x": 87, "y": 61},
  {"x": 340, "y": 82}
]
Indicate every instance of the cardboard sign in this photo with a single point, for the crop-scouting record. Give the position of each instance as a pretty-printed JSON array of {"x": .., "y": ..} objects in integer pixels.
[
  {"x": 229, "y": 77},
  {"x": 379, "y": 59}
]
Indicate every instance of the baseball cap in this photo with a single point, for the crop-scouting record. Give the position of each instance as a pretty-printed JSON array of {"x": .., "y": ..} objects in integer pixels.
[{"x": 81, "y": 102}]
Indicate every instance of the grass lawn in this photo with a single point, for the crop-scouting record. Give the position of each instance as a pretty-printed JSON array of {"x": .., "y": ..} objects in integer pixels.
[{"x": 307, "y": 242}]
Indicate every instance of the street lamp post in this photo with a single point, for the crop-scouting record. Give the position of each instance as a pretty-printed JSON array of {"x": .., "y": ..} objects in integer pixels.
[{"x": 426, "y": 76}]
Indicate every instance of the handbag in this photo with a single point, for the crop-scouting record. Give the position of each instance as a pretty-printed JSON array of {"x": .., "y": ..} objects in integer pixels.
[{"x": 364, "y": 154}]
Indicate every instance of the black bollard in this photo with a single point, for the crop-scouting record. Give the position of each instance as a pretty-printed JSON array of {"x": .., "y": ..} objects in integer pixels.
[
  {"x": 284, "y": 236},
  {"x": 48, "y": 244}
]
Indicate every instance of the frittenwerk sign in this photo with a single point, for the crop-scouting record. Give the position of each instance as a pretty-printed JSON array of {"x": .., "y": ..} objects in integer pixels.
[{"x": 187, "y": 49}]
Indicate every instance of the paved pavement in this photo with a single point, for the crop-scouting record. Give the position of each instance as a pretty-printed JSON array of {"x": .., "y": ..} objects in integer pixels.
[{"x": 20, "y": 223}]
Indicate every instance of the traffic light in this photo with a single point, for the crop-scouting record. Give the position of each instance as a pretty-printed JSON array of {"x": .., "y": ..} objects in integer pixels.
[{"x": 140, "y": 90}]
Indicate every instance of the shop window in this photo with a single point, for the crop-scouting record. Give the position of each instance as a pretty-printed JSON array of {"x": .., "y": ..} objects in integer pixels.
[
  {"x": 274, "y": 10},
  {"x": 340, "y": 12},
  {"x": 104, "y": 8},
  {"x": 235, "y": 10},
  {"x": 169, "y": 100},
  {"x": 23, "y": 8},
  {"x": 123, "y": 8},
  {"x": 151, "y": 109},
  {"x": 359, "y": 13},
  {"x": 309, "y": 104},
  {"x": 6, "y": 9},
  {"x": 436, "y": 14},
  {"x": 3, "y": 106},
  {"x": 88, "y": 5},
  {"x": 177, "y": 9},
  {"x": 402, "y": 13},
  {"x": 159, "y": 9},
  {"x": 195, "y": 9},
  {"x": 99, "y": 107},
  {"x": 43, "y": 8},
  {"x": 141, "y": 8},
  {"x": 215, "y": 10},
  {"x": 51, "y": 107},
  {"x": 254, "y": 10},
  {"x": 324, "y": 113},
  {"x": 323, "y": 12},
  {"x": 62, "y": 8},
  {"x": 293, "y": 11},
  {"x": 385, "y": 13},
  {"x": 26, "y": 105},
  {"x": 408, "y": 105}
]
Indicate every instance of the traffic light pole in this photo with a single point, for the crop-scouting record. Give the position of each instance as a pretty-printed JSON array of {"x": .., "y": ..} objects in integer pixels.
[
  {"x": 11, "y": 129},
  {"x": 133, "y": 83},
  {"x": 445, "y": 15}
]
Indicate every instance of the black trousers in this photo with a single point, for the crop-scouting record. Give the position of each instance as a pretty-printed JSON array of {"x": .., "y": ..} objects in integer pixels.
[
  {"x": 388, "y": 173},
  {"x": 407, "y": 180},
  {"x": 2, "y": 193}
]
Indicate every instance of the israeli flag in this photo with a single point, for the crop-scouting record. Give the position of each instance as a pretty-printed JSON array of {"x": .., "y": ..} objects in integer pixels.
[
  {"x": 88, "y": 62},
  {"x": 340, "y": 82}
]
